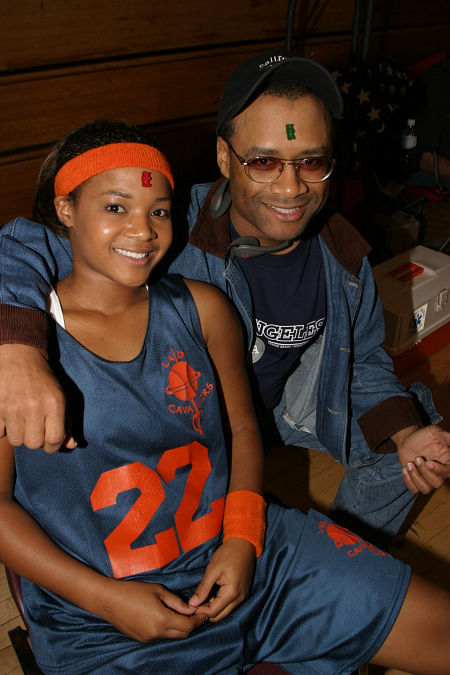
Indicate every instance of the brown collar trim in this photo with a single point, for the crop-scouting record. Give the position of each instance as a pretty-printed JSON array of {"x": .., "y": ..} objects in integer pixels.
[
  {"x": 211, "y": 234},
  {"x": 345, "y": 243}
]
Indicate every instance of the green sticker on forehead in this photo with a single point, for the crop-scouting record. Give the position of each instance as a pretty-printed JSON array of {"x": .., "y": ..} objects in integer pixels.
[{"x": 290, "y": 132}]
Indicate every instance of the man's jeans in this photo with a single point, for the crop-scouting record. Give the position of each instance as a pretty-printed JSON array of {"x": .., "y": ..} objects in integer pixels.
[{"x": 372, "y": 498}]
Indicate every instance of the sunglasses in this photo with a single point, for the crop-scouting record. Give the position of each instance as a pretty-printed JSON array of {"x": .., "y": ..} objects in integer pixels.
[{"x": 263, "y": 169}]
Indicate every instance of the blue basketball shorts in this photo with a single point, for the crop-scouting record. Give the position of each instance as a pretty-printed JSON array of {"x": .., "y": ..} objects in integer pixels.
[{"x": 323, "y": 601}]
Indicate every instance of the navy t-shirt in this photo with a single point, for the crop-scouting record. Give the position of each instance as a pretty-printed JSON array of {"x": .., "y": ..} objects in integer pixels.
[{"x": 289, "y": 304}]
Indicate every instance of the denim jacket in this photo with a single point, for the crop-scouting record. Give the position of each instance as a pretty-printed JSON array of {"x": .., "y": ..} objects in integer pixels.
[{"x": 344, "y": 385}]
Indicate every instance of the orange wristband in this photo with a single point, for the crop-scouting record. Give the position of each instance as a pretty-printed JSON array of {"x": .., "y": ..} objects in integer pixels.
[{"x": 245, "y": 518}]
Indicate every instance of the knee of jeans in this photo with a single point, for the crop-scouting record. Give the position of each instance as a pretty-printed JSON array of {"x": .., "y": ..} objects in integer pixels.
[{"x": 383, "y": 471}]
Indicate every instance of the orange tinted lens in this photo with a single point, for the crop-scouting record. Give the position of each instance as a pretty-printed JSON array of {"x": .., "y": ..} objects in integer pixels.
[{"x": 265, "y": 164}]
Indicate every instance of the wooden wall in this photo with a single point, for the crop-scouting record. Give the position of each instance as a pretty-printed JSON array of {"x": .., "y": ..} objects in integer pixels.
[{"x": 163, "y": 64}]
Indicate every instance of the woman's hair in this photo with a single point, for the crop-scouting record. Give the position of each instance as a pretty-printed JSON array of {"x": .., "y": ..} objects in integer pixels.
[{"x": 91, "y": 135}]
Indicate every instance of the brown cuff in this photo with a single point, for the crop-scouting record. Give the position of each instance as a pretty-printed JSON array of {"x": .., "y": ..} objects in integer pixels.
[
  {"x": 23, "y": 326},
  {"x": 388, "y": 417}
]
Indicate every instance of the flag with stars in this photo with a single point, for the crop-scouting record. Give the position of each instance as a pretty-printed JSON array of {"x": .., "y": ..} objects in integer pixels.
[{"x": 373, "y": 98}]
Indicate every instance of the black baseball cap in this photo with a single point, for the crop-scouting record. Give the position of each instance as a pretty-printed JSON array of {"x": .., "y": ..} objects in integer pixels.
[{"x": 276, "y": 65}]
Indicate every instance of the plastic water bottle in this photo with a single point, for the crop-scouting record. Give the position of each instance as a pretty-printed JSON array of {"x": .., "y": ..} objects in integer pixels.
[
  {"x": 409, "y": 135},
  {"x": 409, "y": 158}
]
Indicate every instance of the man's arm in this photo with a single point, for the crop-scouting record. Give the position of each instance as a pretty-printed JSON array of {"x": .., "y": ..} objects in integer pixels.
[
  {"x": 380, "y": 403},
  {"x": 395, "y": 425},
  {"x": 32, "y": 405},
  {"x": 393, "y": 422},
  {"x": 31, "y": 259}
]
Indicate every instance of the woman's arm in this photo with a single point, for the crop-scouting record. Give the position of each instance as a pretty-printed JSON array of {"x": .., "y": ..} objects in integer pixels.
[
  {"x": 232, "y": 565},
  {"x": 142, "y": 611},
  {"x": 223, "y": 337}
]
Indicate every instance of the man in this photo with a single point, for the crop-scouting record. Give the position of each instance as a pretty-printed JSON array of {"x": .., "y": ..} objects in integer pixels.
[{"x": 302, "y": 285}]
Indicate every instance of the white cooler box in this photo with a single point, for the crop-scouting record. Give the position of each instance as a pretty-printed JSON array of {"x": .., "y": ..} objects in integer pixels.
[{"x": 414, "y": 291}]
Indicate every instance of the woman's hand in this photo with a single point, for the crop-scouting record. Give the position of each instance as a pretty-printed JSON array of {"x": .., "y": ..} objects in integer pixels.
[
  {"x": 231, "y": 568},
  {"x": 147, "y": 612}
]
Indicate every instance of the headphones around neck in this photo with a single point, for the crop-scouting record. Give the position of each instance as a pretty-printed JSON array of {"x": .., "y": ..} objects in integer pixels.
[
  {"x": 221, "y": 201},
  {"x": 249, "y": 247},
  {"x": 242, "y": 247}
]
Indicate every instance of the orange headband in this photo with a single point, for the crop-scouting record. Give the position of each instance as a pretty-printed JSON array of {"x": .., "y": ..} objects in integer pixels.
[{"x": 112, "y": 156}]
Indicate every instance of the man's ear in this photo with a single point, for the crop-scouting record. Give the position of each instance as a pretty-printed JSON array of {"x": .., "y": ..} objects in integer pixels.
[
  {"x": 64, "y": 210},
  {"x": 223, "y": 157}
]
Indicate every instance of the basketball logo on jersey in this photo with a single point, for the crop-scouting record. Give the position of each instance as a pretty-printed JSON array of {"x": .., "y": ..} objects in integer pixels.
[
  {"x": 341, "y": 536},
  {"x": 183, "y": 384}
]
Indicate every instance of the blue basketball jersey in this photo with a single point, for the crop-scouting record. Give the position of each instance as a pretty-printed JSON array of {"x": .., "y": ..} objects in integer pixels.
[{"x": 144, "y": 490}]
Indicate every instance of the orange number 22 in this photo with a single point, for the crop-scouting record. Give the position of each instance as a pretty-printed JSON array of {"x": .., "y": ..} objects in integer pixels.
[{"x": 127, "y": 561}]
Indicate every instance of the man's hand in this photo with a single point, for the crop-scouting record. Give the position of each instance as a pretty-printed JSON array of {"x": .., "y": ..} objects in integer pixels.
[
  {"x": 425, "y": 457},
  {"x": 32, "y": 403},
  {"x": 231, "y": 568},
  {"x": 147, "y": 612}
]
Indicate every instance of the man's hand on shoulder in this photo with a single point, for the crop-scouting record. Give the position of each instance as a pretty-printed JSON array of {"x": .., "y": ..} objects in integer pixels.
[
  {"x": 32, "y": 403},
  {"x": 425, "y": 457}
]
